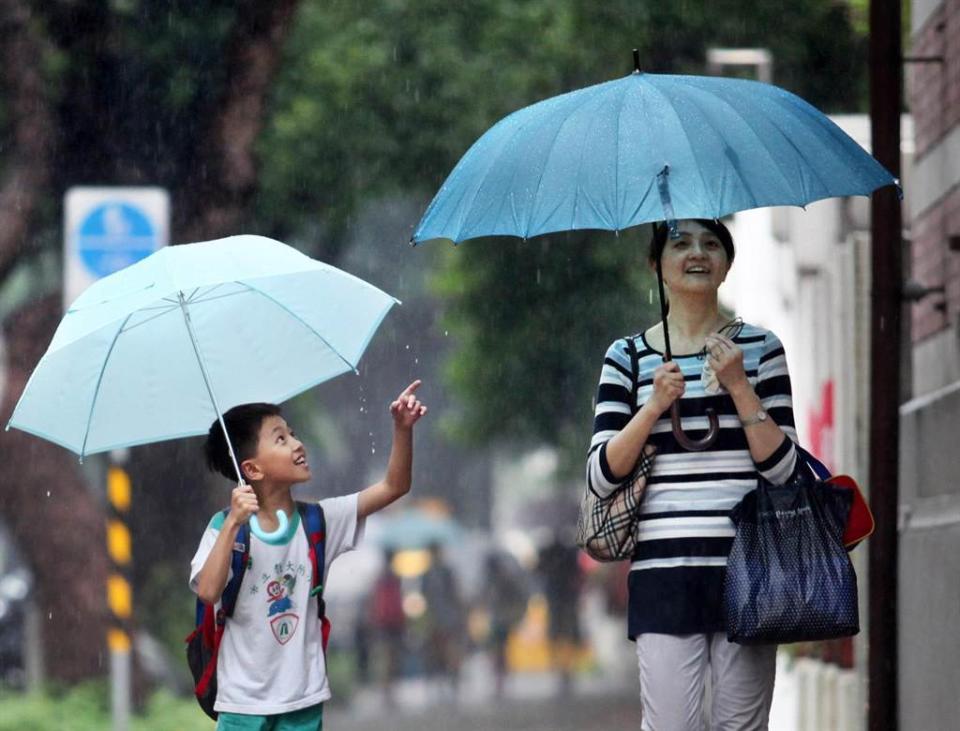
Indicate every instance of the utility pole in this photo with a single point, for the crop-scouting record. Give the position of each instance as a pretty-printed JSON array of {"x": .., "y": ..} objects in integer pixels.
[
  {"x": 119, "y": 593},
  {"x": 885, "y": 339}
]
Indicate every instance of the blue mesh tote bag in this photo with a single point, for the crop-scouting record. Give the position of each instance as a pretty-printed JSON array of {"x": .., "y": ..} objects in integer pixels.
[{"x": 789, "y": 578}]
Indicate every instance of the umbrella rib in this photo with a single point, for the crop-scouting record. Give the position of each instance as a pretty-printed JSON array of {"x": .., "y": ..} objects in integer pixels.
[
  {"x": 553, "y": 143},
  {"x": 300, "y": 320},
  {"x": 218, "y": 297},
  {"x": 96, "y": 391},
  {"x": 685, "y": 136},
  {"x": 761, "y": 141},
  {"x": 149, "y": 319}
]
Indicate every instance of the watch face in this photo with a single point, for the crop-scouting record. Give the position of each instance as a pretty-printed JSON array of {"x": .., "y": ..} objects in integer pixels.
[{"x": 762, "y": 415}]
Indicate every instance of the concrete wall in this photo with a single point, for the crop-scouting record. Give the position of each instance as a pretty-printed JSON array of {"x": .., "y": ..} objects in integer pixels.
[
  {"x": 929, "y": 558},
  {"x": 929, "y": 594}
]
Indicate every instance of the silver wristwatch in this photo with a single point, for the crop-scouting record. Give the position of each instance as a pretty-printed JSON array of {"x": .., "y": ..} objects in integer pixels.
[{"x": 758, "y": 418}]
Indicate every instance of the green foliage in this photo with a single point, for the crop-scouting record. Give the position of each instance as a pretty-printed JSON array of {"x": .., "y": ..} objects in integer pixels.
[{"x": 87, "y": 706}]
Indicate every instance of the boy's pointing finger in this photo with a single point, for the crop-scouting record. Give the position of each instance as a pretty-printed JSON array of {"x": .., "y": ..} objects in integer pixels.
[{"x": 411, "y": 388}]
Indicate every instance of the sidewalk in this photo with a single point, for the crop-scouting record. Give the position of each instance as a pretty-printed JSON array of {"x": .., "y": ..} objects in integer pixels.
[{"x": 530, "y": 703}]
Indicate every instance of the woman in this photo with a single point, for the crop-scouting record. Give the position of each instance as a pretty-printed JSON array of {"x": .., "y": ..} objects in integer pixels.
[{"x": 676, "y": 578}]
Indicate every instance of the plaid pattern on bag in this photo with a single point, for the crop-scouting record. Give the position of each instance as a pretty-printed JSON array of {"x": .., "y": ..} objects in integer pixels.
[{"x": 607, "y": 527}]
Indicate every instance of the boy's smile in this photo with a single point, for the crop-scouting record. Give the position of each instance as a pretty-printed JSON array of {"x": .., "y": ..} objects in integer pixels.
[{"x": 280, "y": 456}]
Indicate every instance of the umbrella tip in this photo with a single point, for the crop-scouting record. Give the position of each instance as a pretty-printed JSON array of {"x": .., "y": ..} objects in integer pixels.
[{"x": 636, "y": 60}]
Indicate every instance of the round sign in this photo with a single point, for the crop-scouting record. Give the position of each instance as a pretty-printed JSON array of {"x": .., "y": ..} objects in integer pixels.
[{"x": 114, "y": 236}]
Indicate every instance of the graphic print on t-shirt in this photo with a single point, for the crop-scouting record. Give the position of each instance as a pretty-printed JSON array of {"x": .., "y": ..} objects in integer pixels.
[{"x": 278, "y": 587}]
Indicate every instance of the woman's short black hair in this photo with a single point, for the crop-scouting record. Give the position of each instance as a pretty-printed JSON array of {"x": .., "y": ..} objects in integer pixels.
[
  {"x": 243, "y": 425},
  {"x": 661, "y": 233}
]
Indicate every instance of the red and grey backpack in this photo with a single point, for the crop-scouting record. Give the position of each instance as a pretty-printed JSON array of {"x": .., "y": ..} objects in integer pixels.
[{"x": 203, "y": 643}]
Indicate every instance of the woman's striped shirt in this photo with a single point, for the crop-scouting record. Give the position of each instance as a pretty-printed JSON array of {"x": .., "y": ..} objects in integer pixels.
[{"x": 685, "y": 532}]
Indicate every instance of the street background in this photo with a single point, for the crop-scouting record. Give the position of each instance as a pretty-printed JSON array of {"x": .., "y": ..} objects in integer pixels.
[{"x": 329, "y": 126}]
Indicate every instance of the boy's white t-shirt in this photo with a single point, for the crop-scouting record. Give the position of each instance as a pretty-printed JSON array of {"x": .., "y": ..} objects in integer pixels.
[{"x": 271, "y": 657}]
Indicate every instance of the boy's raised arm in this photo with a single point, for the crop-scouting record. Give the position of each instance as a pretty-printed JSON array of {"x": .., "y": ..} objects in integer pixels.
[
  {"x": 406, "y": 411},
  {"x": 216, "y": 569}
]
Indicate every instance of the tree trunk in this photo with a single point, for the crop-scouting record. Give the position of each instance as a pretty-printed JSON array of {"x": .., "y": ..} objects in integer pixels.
[
  {"x": 28, "y": 169},
  {"x": 55, "y": 519},
  {"x": 222, "y": 179}
]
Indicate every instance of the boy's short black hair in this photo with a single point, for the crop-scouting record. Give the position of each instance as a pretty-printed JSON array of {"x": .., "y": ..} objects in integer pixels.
[
  {"x": 243, "y": 424},
  {"x": 661, "y": 232}
]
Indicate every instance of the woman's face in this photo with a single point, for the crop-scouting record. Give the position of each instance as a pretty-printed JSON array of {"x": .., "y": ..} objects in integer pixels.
[{"x": 696, "y": 262}]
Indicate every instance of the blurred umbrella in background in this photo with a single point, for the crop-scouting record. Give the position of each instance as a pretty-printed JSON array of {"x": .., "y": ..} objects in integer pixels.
[{"x": 415, "y": 528}]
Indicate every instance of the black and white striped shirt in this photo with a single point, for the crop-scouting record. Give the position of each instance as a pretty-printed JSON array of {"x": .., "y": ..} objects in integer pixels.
[{"x": 685, "y": 533}]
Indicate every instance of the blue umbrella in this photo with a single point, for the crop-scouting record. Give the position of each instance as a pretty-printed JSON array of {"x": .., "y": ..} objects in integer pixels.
[
  {"x": 160, "y": 349},
  {"x": 647, "y": 147}
]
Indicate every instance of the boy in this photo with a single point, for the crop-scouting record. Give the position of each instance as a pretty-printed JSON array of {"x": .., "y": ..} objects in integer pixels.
[{"x": 272, "y": 680}]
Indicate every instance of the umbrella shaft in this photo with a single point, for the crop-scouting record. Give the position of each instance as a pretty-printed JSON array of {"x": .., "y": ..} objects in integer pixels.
[{"x": 206, "y": 381}]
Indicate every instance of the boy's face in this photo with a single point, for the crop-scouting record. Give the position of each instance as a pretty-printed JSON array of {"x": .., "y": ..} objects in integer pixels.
[{"x": 280, "y": 456}]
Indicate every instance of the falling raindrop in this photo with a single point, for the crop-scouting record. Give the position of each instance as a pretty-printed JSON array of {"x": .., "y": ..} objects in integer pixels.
[
  {"x": 538, "y": 275},
  {"x": 416, "y": 361},
  {"x": 649, "y": 296},
  {"x": 48, "y": 493},
  {"x": 408, "y": 346},
  {"x": 445, "y": 333},
  {"x": 373, "y": 450},
  {"x": 49, "y": 616}
]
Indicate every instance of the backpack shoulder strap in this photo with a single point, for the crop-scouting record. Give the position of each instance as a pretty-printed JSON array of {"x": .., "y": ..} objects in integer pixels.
[
  {"x": 634, "y": 370},
  {"x": 315, "y": 526},
  {"x": 239, "y": 559}
]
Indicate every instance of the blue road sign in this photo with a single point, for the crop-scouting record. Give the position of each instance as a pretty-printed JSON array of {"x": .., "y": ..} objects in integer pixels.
[{"x": 113, "y": 236}]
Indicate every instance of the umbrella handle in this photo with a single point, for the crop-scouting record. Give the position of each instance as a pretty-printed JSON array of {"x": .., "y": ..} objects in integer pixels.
[
  {"x": 276, "y": 536},
  {"x": 694, "y": 445}
]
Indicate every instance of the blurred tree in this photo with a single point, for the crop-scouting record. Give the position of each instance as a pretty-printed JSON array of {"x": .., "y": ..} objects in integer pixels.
[{"x": 144, "y": 91}]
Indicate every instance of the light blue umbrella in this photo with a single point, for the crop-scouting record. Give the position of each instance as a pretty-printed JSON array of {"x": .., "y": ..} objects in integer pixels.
[
  {"x": 415, "y": 528},
  {"x": 648, "y": 147},
  {"x": 160, "y": 349}
]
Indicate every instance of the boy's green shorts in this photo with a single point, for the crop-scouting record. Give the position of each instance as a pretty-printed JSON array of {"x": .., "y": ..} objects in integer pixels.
[{"x": 306, "y": 719}]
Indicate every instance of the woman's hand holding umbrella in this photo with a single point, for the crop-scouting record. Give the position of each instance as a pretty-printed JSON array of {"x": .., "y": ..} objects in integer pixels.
[{"x": 668, "y": 386}]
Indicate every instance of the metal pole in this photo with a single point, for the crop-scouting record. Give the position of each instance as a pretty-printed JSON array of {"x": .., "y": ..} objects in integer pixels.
[
  {"x": 119, "y": 593},
  {"x": 885, "y": 364},
  {"x": 206, "y": 381}
]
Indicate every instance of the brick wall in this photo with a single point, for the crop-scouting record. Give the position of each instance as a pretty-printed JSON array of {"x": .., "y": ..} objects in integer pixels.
[{"x": 933, "y": 92}]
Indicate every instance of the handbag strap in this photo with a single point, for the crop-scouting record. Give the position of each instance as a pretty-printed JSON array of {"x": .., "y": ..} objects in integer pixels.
[
  {"x": 634, "y": 371},
  {"x": 816, "y": 466}
]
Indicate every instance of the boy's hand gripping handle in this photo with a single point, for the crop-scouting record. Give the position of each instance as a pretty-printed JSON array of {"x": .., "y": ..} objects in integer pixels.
[{"x": 276, "y": 536}]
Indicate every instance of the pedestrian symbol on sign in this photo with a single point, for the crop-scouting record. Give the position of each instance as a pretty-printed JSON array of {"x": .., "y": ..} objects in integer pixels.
[{"x": 114, "y": 236}]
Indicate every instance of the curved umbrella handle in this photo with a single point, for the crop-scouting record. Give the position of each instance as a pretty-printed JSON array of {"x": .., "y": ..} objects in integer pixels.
[
  {"x": 276, "y": 536},
  {"x": 686, "y": 442}
]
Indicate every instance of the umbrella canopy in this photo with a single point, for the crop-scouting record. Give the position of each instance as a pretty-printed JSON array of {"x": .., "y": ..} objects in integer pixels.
[
  {"x": 158, "y": 350},
  {"x": 414, "y": 528},
  {"x": 647, "y": 147}
]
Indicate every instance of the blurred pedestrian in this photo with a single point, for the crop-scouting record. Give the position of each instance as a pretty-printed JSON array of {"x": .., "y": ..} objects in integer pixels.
[
  {"x": 675, "y": 611},
  {"x": 388, "y": 624},
  {"x": 559, "y": 568},
  {"x": 505, "y": 598},
  {"x": 446, "y": 624}
]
